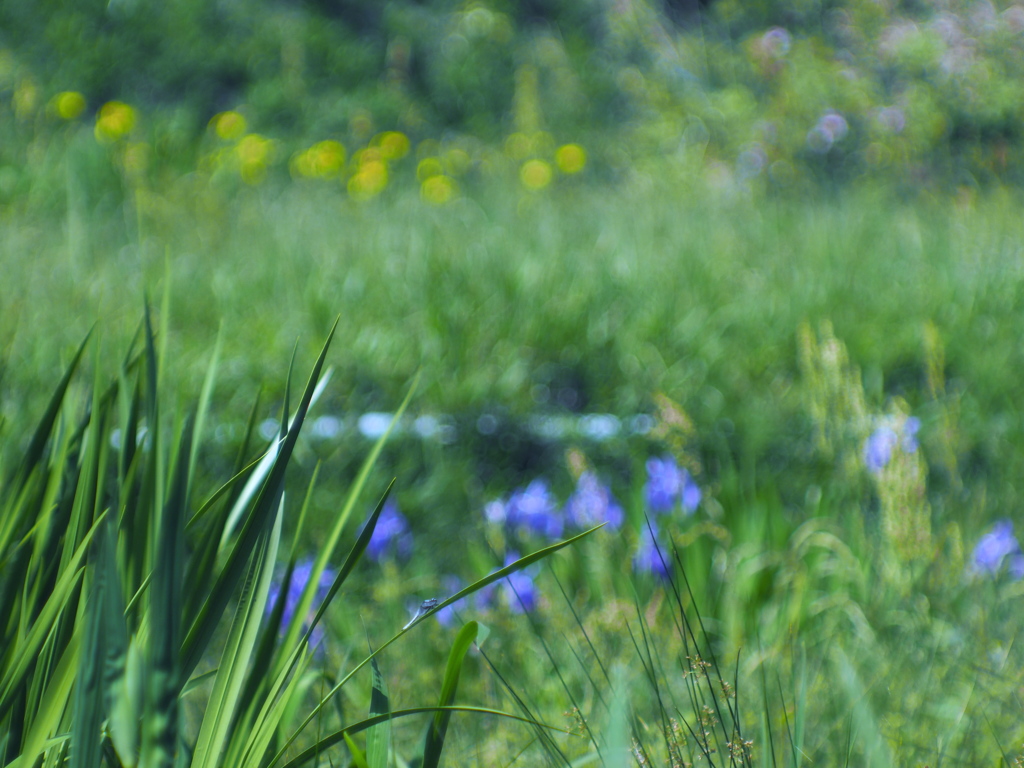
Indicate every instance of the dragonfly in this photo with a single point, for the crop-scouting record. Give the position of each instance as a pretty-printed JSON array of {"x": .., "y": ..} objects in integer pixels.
[{"x": 425, "y": 607}]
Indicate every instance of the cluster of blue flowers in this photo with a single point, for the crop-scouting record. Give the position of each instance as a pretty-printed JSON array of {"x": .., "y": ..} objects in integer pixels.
[
  {"x": 293, "y": 593},
  {"x": 669, "y": 488},
  {"x": 999, "y": 549},
  {"x": 531, "y": 510},
  {"x": 534, "y": 510},
  {"x": 391, "y": 537},
  {"x": 879, "y": 447}
]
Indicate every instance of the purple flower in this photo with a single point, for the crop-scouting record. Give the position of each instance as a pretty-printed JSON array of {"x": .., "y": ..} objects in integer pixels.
[
  {"x": 518, "y": 588},
  {"x": 910, "y": 429},
  {"x": 668, "y": 484},
  {"x": 691, "y": 494},
  {"x": 647, "y": 558},
  {"x": 496, "y": 512},
  {"x": 534, "y": 508},
  {"x": 878, "y": 448},
  {"x": 997, "y": 547},
  {"x": 775, "y": 42},
  {"x": 391, "y": 535},
  {"x": 664, "y": 483},
  {"x": 831, "y": 128},
  {"x": 300, "y": 577},
  {"x": 446, "y": 616},
  {"x": 592, "y": 503}
]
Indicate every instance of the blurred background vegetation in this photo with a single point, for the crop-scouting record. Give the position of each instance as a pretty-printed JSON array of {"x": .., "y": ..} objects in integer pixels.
[
  {"x": 742, "y": 233},
  {"x": 761, "y": 93}
]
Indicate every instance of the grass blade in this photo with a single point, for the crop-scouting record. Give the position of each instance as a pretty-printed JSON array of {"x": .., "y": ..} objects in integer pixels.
[
  {"x": 439, "y": 726},
  {"x": 378, "y": 737},
  {"x": 205, "y": 623},
  {"x": 310, "y": 753},
  {"x": 34, "y": 452}
]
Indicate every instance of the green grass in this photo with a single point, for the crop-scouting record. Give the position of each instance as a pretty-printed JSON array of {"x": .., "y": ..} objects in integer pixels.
[{"x": 622, "y": 291}]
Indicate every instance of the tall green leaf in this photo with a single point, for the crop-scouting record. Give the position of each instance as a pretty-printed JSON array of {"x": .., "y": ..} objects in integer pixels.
[
  {"x": 205, "y": 623},
  {"x": 378, "y": 737},
  {"x": 439, "y": 724},
  {"x": 224, "y": 701},
  {"x": 163, "y": 679}
]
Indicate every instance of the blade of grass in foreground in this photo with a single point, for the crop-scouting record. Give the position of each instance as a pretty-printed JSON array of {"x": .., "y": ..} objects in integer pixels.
[
  {"x": 378, "y": 737},
  {"x": 501, "y": 573},
  {"x": 205, "y": 623},
  {"x": 439, "y": 725},
  {"x": 269, "y": 716},
  {"x": 34, "y": 452},
  {"x": 224, "y": 700},
  {"x": 326, "y": 742}
]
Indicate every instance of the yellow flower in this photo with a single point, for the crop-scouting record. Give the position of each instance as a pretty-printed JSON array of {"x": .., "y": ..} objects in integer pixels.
[
  {"x": 115, "y": 121},
  {"x": 571, "y": 158},
  {"x": 394, "y": 145},
  {"x": 368, "y": 155},
  {"x": 535, "y": 174},
  {"x": 438, "y": 189},
  {"x": 427, "y": 167},
  {"x": 68, "y": 105},
  {"x": 323, "y": 160},
  {"x": 229, "y": 125},
  {"x": 254, "y": 152},
  {"x": 254, "y": 148},
  {"x": 369, "y": 181}
]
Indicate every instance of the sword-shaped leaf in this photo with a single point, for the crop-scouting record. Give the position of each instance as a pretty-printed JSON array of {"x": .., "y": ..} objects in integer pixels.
[
  {"x": 378, "y": 737},
  {"x": 439, "y": 724},
  {"x": 224, "y": 700},
  {"x": 205, "y": 623}
]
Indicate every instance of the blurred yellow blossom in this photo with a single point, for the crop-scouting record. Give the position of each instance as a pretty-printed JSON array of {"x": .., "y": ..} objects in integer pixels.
[
  {"x": 115, "y": 121},
  {"x": 427, "y": 167},
  {"x": 535, "y": 174},
  {"x": 394, "y": 145},
  {"x": 254, "y": 153},
  {"x": 229, "y": 125},
  {"x": 324, "y": 160},
  {"x": 571, "y": 158},
  {"x": 368, "y": 155},
  {"x": 369, "y": 181},
  {"x": 68, "y": 105},
  {"x": 438, "y": 189}
]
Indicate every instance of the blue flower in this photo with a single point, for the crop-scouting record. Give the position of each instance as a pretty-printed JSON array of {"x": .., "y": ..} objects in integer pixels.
[
  {"x": 878, "y": 448},
  {"x": 910, "y": 429},
  {"x": 518, "y": 588},
  {"x": 647, "y": 558},
  {"x": 534, "y": 508},
  {"x": 592, "y": 503},
  {"x": 668, "y": 484},
  {"x": 392, "y": 534},
  {"x": 996, "y": 548},
  {"x": 293, "y": 593},
  {"x": 446, "y": 616}
]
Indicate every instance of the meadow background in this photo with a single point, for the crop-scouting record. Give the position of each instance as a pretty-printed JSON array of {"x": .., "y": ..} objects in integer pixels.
[{"x": 741, "y": 279}]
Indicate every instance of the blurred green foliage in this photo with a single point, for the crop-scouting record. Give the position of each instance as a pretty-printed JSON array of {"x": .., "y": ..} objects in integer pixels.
[{"x": 747, "y": 95}]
